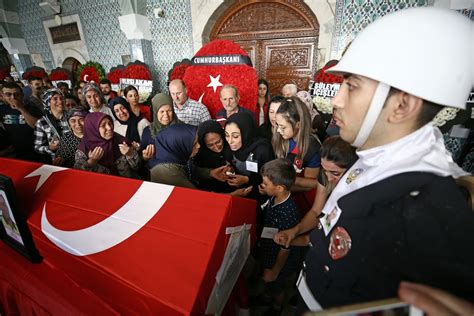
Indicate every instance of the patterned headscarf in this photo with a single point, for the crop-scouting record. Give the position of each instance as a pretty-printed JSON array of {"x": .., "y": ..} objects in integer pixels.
[
  {"x": 76, "y": 111},
  {"x": 47, "y": 96},
  {"x": 92, "y": 86},
  {"x": 52, "y": 121}
]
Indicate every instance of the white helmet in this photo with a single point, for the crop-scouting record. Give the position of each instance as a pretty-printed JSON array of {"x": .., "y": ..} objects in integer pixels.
[{"x": 427, "y": 52}]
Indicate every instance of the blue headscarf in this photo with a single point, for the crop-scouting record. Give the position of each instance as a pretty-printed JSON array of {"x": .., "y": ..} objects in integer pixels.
[{"x": 175, "y": 144}]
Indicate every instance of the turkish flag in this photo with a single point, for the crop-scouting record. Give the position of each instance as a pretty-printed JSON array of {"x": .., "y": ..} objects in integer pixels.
[{"x": 102, "y": 234}]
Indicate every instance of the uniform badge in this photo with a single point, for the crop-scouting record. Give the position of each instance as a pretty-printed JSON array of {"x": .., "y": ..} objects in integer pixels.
[
  {"x": 340, "y": 243},
  {"x": 328, "y": 219},
  {"x": 298, "y": 164},
  {"x": 353, "y": 175}
]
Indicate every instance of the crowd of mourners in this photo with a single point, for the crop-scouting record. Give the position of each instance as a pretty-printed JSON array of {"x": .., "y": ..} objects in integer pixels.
[
  {"x": 281, "y": 154},
  {"x": 267, "y": 154}
]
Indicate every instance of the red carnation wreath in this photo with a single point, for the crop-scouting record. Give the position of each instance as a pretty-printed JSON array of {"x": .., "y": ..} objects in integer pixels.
[
  {"x": 322, "y": 76},
  {"x": 178, "y": 70},
  {"x": 91, "y": 71},
  {"x": 115, "y": 74},
  {"x": 34, "y": 71},
  {"x": 204, "y": 81},
  {"x": 5, "y": 72},
  {"x": 59, "y": 74},
  {"x": 137, "y": 70},
  {"x": 138, "y": 75}
]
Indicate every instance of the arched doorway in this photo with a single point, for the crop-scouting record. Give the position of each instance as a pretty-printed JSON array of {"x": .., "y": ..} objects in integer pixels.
[
  {"x": 281, "y": 38},
  {"x": 71, "y": 64}
]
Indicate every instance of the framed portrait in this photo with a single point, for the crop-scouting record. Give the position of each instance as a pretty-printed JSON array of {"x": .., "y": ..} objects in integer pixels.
[{"x": 14, "y": 230}]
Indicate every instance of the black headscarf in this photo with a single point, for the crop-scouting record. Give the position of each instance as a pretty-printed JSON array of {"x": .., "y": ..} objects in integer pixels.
[
  {"x": 207, "y": 158},
  {"x": 248, "y": 133},
  {"x": 132, "y": 122}
]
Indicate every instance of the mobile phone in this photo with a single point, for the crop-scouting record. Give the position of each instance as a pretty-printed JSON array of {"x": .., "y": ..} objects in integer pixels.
[{"x": 231, "y": 174}]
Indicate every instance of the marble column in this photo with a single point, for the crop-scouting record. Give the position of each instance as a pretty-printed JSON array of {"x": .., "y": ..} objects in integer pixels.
[
  {"x": 19, "y": 53},
  {"x": 137, "y": 30},
  {"x": 12, "y": 36}
]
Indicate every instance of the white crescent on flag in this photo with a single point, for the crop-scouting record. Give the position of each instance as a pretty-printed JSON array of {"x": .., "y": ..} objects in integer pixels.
[
  {"x": 200, "y": 98},
  {"x": 113, "y": 230}
]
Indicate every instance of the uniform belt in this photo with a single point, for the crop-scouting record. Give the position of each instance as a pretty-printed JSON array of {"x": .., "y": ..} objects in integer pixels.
[{"x": 305, "y": 292}]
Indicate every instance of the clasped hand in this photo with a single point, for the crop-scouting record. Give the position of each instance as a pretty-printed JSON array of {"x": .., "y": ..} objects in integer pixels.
[
  {"x": 125, "y": 149},
  {"x": 148, "y": 152}
]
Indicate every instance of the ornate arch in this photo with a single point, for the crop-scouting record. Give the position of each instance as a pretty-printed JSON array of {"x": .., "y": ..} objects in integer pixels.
[
  {"x": 281, "y": 38},
  {"x": 258, "y": 19}
]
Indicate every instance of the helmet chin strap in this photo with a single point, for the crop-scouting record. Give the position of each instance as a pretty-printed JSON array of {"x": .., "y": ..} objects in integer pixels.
[{"x": 378, "y": 100}]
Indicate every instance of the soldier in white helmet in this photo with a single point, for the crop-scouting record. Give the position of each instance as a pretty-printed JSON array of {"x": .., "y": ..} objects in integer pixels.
[{"x": 397, "y": 214}]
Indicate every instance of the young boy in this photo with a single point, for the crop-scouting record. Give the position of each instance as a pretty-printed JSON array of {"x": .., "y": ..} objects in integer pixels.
[{"x": 280, "y": 213}]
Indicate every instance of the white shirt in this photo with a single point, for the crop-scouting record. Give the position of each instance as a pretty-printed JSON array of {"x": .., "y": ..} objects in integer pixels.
[
  {"x": 106, "y": 110},
  {"x": 422, "y": 151}
]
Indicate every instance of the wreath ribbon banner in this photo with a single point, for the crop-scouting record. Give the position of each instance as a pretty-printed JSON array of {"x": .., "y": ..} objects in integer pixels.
[{"x": 221, "y": 60}]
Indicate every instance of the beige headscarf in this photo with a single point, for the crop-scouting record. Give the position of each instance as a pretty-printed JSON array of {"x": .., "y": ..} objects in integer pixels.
[{"x": 157, "y": 102}]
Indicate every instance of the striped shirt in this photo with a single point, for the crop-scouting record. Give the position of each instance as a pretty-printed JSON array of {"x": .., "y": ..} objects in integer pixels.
[{"x": 44, "y": 134}]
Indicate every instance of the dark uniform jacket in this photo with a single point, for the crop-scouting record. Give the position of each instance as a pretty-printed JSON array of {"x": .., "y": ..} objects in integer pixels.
[{"x": 413, "y": 226}]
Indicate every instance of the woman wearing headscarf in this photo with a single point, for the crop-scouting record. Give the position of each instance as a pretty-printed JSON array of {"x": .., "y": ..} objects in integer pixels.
[
  {"x": 174, "y": 148},
  {"x": 211, "y": 137},
  {"x": 212, "y": 143},
  {"x": 127, "y": 124},
  {"x": 50, "y": 127},
  {"x": 246, "y": 152},
  {"x": 317, "y": 122},
  {"x": 71, "y": 139},
  {"x": 164, "y": 116},
  {"x": 95, "y": 99},
  {"x": 104, "y": 151}
]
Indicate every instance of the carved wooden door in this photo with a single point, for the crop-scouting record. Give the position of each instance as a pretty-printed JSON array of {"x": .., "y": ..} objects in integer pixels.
[{"x": 281, "y": 38}]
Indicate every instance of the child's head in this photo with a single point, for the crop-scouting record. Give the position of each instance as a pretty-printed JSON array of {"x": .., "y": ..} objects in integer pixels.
[{"x": 278, "y": 176}]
